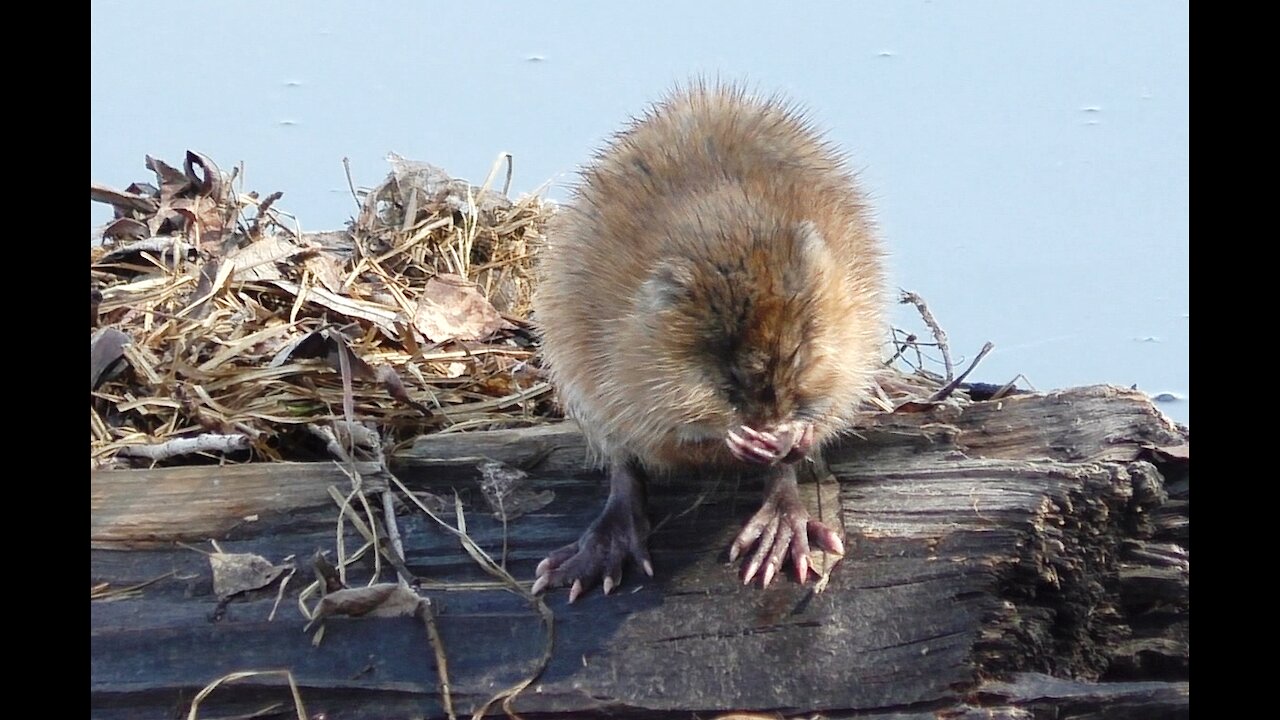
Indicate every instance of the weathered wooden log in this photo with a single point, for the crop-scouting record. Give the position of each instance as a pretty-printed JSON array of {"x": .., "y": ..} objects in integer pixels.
[{"x": 1005, "y": 559}]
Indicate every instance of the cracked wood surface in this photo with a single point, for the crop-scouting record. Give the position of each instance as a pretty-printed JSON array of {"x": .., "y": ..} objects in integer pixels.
[{"x": 1006, "y": 559}]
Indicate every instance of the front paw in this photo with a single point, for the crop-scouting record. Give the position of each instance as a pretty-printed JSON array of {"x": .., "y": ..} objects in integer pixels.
[
  {"x": 754, "y": 447},
  {"x": 787, "y": 442},
  {"x": 798, "y": 436}
]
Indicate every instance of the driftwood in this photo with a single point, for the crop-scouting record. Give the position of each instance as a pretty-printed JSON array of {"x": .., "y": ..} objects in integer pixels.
[{"x": 1020, "y": 558}]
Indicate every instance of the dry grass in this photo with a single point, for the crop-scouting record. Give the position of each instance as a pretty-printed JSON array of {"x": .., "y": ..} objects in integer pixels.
[{"x": 235, "y": 322}]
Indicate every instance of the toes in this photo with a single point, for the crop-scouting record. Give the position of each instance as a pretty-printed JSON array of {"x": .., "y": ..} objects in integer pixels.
[
  {"x": 799, "y": 440},
  {"x": 542, "y": 583},
  {"x": 761, "y": 555},
  {"x": 640, "y": 556},
  {"x": 777, "y": 553},
  {"x": 556, "y": 559},
  {"x": 751, "y": 532},
  {"x": 774, "y": 535},
  {"x": 824, "y": 537},
  {"x": 613, "y": 569},
  {"x": 582, "y": 566},
  {"x": 584, "y": 569},
  {"x": 548, "y": 574},
  {"x": 800, "y": 553},
  {"x": 766, "y": 440},
  {"x": 751, "y": 446}
]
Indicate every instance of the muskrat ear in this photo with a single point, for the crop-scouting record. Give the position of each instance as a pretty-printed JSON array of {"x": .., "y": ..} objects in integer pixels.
[
  {"x": 810, "y": 245},
  {"x": 668, "y": 284},
  {"x": 810, "y": 254}
]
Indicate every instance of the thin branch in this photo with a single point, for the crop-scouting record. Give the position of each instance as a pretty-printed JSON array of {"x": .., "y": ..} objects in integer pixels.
[
  {"x": 951, "y": 386},
  {"x": 934, "y": 327},
  {"x": 186, "y": 446}
]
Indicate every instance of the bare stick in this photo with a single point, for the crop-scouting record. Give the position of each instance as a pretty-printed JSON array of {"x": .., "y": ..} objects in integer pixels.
[
  {"x": 426, "y": 611},
  {"x": 393, "y": 536},
  {"x": 346, "y": 165},
  {"x": 392, "y": 552},
  {"x": 187, "y": 446},
  {"x": 900, "y": 347},
  {"x": 938, "y": 332},
  {"x": 951, "y": 386},
  {"x": 1010, "y": 385}
]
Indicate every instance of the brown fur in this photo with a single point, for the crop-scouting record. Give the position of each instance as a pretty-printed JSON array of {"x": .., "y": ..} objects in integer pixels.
[{"x": 716, "y": 268}]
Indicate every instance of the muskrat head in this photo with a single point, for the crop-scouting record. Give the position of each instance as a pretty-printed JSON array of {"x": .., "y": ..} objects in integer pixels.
[{"x": 738, "y": 322}]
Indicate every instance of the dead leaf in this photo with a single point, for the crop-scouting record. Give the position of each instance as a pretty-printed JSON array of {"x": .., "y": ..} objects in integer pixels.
[
  {"x": 257, "y": 261},
  {"x": 381, "y": 600},
  {"x": 143, "y": 188},
  {"x": 237, "y": 572},
  {"x": 386, "y": 375},
  {"x": 126, "y": 228},
  {"x": 204, "y": 213},
  {"x": 173, "y": 182},
  {"x": 327, "y": 271},
  {"x": 380, "y": 315},
  {"x": 191, "y": 196},
  {"x": 162, "y": 247},
  {"x": 451, "y": 308},
  {"x": 106, "y": 355},
  {"x": 453, "y": 369},
  {"x": 435, "y": 189},
  {"x": 503, "y": 489},
  {"x": 123, "y": 202},
  {"x": 203, "y": 174}
]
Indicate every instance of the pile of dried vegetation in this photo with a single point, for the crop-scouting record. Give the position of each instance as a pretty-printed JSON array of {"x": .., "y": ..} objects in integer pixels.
[{"x": 221, "y": 330}]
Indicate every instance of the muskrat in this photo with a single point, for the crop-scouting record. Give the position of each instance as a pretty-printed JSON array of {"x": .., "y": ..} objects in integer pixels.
[{"x": 710, "y": 298}]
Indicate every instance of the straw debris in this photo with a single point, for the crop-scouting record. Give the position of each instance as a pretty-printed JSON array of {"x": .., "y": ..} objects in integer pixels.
[{"x": 220, "y": 329}]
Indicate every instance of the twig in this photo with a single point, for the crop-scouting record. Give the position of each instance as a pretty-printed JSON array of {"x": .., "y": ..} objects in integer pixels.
[
  {"x": 255, "y": 225},
  {"x": 426, "y": 611},
  {"x": 346, "y": 166},
  {"x": 186, "y": 446},
  {"x": 899, "y": 347},
  {"x": 951, "y": 386},
  {"x": 938, "y": 332},
  {"x": 396, "y": 551},
  {"x": 1011, "y": 385}
]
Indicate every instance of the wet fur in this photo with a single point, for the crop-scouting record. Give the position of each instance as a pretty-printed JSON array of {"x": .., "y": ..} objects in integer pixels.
[{"x": 716, "y": 267}]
